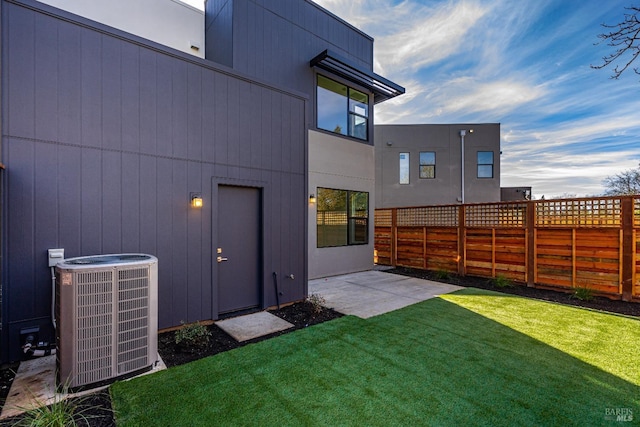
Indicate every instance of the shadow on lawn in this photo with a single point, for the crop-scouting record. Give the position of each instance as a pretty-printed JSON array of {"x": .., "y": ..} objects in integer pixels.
[{"x": 433, "y": 363}]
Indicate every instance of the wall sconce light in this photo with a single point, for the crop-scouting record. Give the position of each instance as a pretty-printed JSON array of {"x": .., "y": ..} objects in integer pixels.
[
  {"x": 196, "y": 200},
  {"x": 312, "y": 198}
]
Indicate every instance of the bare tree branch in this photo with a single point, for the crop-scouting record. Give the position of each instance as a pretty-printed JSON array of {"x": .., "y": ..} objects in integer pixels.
[
  {"x": 624, "y": 183},
  {"x": 624, "y": 37}
]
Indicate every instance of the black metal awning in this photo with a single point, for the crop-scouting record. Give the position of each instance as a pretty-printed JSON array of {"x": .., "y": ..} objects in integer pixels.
[{"x": 382, "y": 88}]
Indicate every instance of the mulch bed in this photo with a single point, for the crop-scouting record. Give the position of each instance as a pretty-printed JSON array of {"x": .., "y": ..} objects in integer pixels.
[{"x": 302, "y": 315}]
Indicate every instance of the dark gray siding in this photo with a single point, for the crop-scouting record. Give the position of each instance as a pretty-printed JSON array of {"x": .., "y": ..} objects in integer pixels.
[
  {"x": 104, "y": 140},
  {"x": 218, "y": 26},
  {"x": 275, "y": 40}
]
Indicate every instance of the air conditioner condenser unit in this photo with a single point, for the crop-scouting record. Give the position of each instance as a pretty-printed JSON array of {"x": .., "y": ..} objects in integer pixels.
[{"x": 106, "y": 316}]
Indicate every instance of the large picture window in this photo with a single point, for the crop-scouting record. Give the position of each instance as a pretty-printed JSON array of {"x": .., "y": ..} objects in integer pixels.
[
  {"x": 342, "y": 217},
  {"x": 342, "y": 109}
]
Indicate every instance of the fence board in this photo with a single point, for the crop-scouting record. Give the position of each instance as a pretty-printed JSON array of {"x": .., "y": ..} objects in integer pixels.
[{"x": 550, "y": 243}]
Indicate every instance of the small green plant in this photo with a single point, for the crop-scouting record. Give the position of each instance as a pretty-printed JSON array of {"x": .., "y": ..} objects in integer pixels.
[
  {"x": 442, "y": 275},
  {"x": 501, "y": 281},
  {"x": 193, "y": 336},
  {"x": 317, "y": 301},
  {"x": 583, "y": 293},
  {"x": 63, "y": 412}
]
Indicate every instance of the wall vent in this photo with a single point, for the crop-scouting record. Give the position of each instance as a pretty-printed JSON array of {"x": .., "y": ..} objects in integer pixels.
[{"x": 107, "y": 317}]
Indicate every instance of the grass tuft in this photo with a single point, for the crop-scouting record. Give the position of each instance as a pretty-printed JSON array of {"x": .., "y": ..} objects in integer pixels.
[
  {"x": 501, "y": 282},
  {"x": 583, "y": 293}
]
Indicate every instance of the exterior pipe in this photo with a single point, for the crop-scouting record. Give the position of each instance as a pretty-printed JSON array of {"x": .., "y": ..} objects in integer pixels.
[{"x": 462, "y": 134}]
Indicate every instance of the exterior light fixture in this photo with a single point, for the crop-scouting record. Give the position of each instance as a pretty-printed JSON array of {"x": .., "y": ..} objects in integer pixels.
[
  {"x": 312, "y": 198},
  {"x": 196, "y": 200}
]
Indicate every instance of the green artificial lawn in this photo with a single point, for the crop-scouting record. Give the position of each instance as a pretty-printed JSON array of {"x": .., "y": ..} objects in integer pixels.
[{"x": 468, "y": 358}]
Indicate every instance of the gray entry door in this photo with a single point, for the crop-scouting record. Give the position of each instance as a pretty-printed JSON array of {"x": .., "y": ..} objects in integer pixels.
[{"x": 239, "y": 249}]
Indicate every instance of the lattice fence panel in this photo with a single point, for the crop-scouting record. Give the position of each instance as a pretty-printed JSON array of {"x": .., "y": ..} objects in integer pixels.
[
  {"x": 579, "y": 213},
  {"x": 383, "y": 218},
  {"x": 429, "y": 216},
  {"x": 499, "y": 215}
]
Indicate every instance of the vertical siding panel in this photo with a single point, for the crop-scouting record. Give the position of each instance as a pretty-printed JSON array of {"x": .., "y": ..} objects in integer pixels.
[
  {"x": 91, "y": 214},
  {"x": 164, "y": 101},
  {"x": 91, "y": 88},
  {"x": 130, "y": 97},
  {"x": 233, "y": 120},
  {"x": 256, "y": 134},
  {"x": 208, "y": 115},
  {"x": 149, "y": 206},
  {"x": 20, "y": 227},
  {"x": 194, "y": 112},
  {"x": 45, "y": 198},
  {"x": 148, "y": 102},
  {"x": 265, "y": 132},
  {"x": 164, "y": 215},
  {"x": 276, "y": 132},
  {"x": 70, "y": 199},
  {"x": 21, "y": 71},
  {"x": 111, "y": 202},
  {"x": 179, "y": 109},
  {"x": 180, "y": 197},
  {"x": 222, "y": 119},
  {"x": 206, "y": 244},
  {"x": 245, "y": 101},
  {"x": 69, "y": 110},
  {"x": 285, "y": 127},
  {"x": 131, "y": 209},
  {"x": 193, "y": 264},
  {"x": 46, "y": 79},
  {"x": 111, "y": 94},
  {"x": 45, "y": 222}
]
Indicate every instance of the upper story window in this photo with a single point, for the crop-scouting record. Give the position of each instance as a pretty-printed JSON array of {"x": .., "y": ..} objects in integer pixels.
[
  {"x": 485, "y": 164},
  {"x": 427, "y": 164},
  {"x": 342, "y": 109}
]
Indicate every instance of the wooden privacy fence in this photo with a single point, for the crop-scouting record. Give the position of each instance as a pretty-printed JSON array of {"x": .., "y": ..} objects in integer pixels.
[{"x": 588, "y": 242}]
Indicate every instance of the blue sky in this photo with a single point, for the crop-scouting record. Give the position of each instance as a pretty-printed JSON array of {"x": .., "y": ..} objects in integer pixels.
[{"x": 522, "y": 63}]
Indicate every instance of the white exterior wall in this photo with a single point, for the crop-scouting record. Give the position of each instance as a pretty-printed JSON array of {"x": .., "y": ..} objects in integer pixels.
[
  {"x": 167, "y": 22},
  {"x": 339, "y": 163}
]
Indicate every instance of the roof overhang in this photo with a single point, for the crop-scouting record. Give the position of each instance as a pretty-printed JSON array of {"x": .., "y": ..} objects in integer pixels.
[{"x": 382, "y": 88}]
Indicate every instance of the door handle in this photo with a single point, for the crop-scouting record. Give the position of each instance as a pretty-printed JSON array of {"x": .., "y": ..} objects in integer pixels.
[{"x": 220, "y": 259}]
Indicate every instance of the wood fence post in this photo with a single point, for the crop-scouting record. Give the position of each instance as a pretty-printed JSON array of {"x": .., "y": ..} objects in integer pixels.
[
  {"x": 627, "y": 266},
  {"x": 394, "y": 235},
  {"x": 530, "y": 243},
  {"x": 461, "y": 241}
]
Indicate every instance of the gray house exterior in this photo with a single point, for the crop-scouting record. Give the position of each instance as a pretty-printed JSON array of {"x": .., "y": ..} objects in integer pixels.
[
  {"x": 106, "y": 137},
  {"x": 421, "y": 164}
]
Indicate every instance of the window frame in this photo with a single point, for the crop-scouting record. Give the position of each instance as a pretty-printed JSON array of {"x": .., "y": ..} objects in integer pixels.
[
  {"x": 407, "y": 164},
  {"x": 420, "y": 165},
  {"x": 352, "y": 219},
  {"x": 484, "y": 165},
  {"x": 350, "y": 113}
]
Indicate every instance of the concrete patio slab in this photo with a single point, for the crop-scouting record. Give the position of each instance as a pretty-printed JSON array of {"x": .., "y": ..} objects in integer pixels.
[
  {"x": 34, "y": 386},
  {"x": 371, "y": 293},
  {"x": 244, "y": 328}
]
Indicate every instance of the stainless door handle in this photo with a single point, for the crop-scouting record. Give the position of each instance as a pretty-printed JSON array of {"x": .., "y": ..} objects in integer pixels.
[{"x": 220, "y": 259}]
